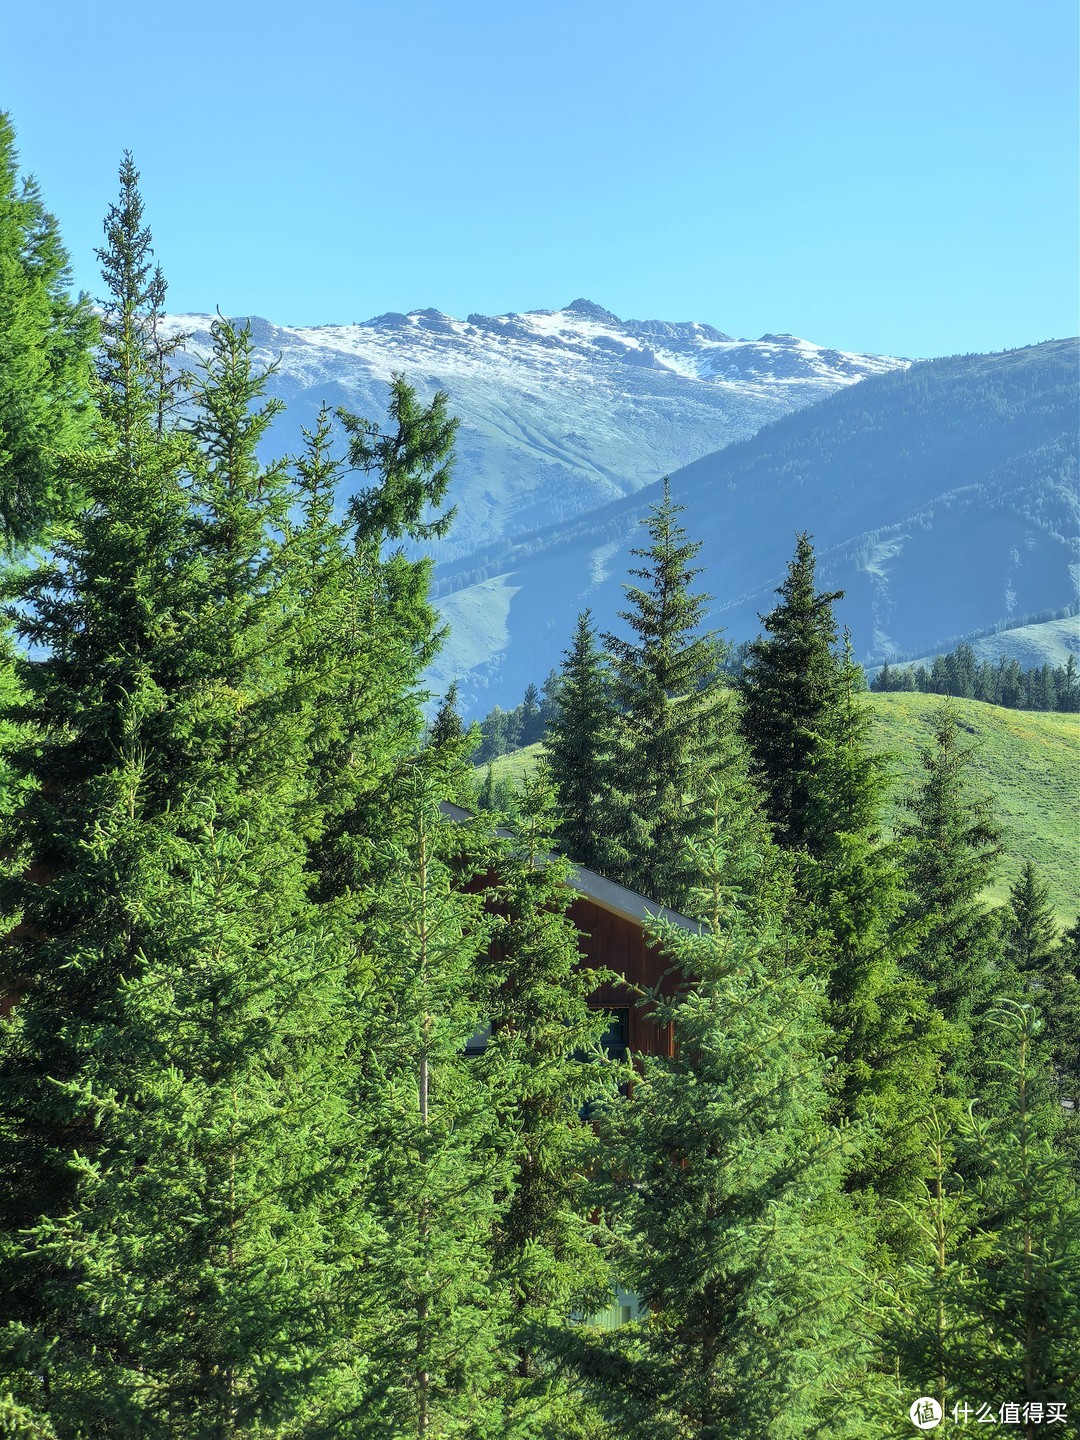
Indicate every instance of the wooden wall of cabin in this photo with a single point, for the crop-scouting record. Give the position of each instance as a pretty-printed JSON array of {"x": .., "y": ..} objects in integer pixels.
[{"x": 609, "y": 941}]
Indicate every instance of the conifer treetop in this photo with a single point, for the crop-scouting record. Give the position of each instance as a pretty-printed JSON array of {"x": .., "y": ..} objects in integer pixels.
[
  {"x": 414, "y": 458},
  {"x": 45, "y": 361},
  {"x": 663, "y": 611},
  {"x": 134, "y": 363}
]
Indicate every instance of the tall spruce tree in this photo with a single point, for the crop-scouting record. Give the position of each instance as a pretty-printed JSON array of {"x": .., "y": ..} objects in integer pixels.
[
  {"x": 92, "y": 611},
  {"x": 578, "y": 743},
  {"x": 431, "y": 1342},
  {"x": 1031, "y": 932},
  {"x": 953, "y": 844},
  {"x": 532, "y": 725},
  {"x": 1060, "y": 1008},
  {"x": 497, "y": 796},
  {"x": 356, "y": 659},
  {"x": 886, "y": 1039},
  {"x": 447, "y": 727},
  {"x": 664, "y": 685},
  {"x": 987, "y": 1306},
  {"x": 1063, "y": 980},
  {"x": 326, "y": 653},
  {"x": 807, "y": 726},
  {"x": 791, "y": 685},
  {"x": 549, "y": 698},
  {"x": 449, "y": 747},
  {"x": 418, "y": 1321},
  {"x": 387, "y": 632},
  {"x": 1027, "y": 1297},
  {"x": 918, "y": 1317},
  {"x": 45, "y": 364},
  {"x": 133, "y": 361},
  {"x": 721, "y": 1191},
  {"x": 175, "y": 1093},
  {"x": 545, "y": 1260}
]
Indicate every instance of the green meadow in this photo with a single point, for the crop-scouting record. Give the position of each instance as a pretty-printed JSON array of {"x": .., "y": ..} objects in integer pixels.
[{"x": 1026, "y": 761}]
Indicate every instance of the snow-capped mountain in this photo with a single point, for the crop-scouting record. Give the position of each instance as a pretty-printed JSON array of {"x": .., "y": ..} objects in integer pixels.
[
  {"x": 941, "y": 495},
  {"x": 561, "y": 411}
]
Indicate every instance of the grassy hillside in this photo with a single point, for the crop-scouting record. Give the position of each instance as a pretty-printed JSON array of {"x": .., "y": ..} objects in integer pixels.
[{"x": 1027, "y": 761}]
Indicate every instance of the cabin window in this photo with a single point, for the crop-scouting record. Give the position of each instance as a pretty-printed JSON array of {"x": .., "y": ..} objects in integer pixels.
[
  {"x": 477, "y": 1044},
  {"x": 615, "y": 1041}
]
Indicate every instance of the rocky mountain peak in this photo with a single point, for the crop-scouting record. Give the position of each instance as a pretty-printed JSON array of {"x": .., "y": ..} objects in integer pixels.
[{"x": 588, "y": 310}]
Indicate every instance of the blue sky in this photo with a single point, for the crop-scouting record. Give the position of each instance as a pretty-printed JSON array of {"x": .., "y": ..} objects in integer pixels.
[{"x": 874, "y": 175}]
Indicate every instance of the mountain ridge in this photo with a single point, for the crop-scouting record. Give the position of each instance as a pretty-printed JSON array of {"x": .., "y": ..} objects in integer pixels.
[
  {"x": 943, "y": 500},
  {"x": 941, "y": 493},
  {"x": 561, "y": 411}
]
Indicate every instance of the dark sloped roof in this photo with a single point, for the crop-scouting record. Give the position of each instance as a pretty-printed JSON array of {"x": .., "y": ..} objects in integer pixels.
[{"x": 603, "y": 892}]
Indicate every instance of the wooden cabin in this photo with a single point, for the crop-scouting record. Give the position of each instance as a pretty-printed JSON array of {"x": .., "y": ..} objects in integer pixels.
[{"x": 612, "y": 925}]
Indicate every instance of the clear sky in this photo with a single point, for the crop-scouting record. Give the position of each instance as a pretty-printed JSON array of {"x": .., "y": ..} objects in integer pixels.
[{"x": 887, "y": 175}]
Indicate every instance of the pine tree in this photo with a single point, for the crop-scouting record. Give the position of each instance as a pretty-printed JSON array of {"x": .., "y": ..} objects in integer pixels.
[
  {"x": 431, "y": 1341},
  {"x": 531, "y": 725},
  {"x": 386, "y": 632},
  {"x": 97, "y": 611},
  {"x": 990, "y": 1306},
  {"x": 1063, "y": 983},
  {"x": 886, "y": 1040},
  {"x": 1069, "y": 696},
  {"x": 884, "y": 680},
  {"x": 549, "y": 701},
  {"x": 921, "y": 1315},
  {"x": 807, "y": 726},
  {"x": 497, "y": 797},
  {"x": 133, "y": 362},
  {"x": 791, "y": 687},
  {"x": 414, "y": 461},
  {"x": 418, "y": 1317},
  {"x": 722, "y": 1194},
  {"x": 449, "y": 749},
  {"x": 546, "y": 1263},
  {"x": 1056, "y": 994},
  {"x": 447, "y": 727},
  {"x": 1028, "y": 1295},
  {"x": 577, "y": 745},
  {"x": 664, "y": 686},
  {"x": 1031, "y": 933},
  {"x": 325, "y": 659},
  {"x": 953, "y": 842},
  {"x": 496, "y": 730},
  {"x": 45, "y": 366},
  {"x": 179, "y": 1098}
]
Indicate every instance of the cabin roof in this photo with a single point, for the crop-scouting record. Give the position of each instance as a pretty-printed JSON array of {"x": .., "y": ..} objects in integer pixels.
[{"x": 603, "y": 892}]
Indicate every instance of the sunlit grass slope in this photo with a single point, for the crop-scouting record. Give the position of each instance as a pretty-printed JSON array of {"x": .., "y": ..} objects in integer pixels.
[{"x": 1028, "y": 762}]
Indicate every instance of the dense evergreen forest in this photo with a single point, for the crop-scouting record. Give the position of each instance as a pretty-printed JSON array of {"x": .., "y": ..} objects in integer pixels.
[
  {"x": 1041, "y": 687},
  {"x": 257, "y": 1176}
]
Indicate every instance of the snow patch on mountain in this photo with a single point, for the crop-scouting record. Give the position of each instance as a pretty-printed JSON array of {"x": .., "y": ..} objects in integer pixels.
[{"x": 561, "y": 410}]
